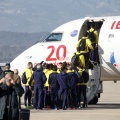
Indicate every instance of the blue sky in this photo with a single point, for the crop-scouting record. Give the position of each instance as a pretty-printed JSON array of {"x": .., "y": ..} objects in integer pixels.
[{"x": 46, "y": 15}]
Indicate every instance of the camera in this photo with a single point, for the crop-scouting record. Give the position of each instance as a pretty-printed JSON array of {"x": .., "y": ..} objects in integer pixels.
[{"x": 7, "y": 80}]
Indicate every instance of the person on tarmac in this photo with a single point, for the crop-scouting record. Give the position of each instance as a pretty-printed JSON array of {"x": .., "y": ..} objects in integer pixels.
[
  {"x": 93, "y": 36},
  {"x": 59, "y": 67},
  {"x": 73, "y": 81},
  {"x": 9, "y": 93},
  {"x": 47, "y": 72},
  {"x": 17, "y": 80},
  {"x": 84, "y": 45},
  {"x": 81, "y": 87},
  {"x": 79, "y": 74},
  {"x": 28, "y": 94},
  {"x": 1, "y": 73},
  {"x": 39, "y": 80},
  {"x": 7, "y": 70},
  {"x": 63, "y": 81},
  {"x": 16, "y": 76},
  {"x": 54, "y": 87}
]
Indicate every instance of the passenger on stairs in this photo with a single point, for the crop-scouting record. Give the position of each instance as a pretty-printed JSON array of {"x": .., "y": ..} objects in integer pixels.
[
  {"x": 84, "y": 45},
  {"x": 93, "y": 36}
]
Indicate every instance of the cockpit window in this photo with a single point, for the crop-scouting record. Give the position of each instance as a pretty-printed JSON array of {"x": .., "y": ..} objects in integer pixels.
[{"x": 54, "y": 37}]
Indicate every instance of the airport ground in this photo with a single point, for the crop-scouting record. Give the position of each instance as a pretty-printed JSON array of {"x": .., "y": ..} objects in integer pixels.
[{"x": 108, "y": 108}]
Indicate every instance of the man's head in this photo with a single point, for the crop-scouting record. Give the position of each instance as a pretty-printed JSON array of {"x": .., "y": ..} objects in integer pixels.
[
  {"x": 59, "y": 65},
  {"x": 47, "y": 66},
  {"x": 30, "y": 65},
  {"x": 7, "y": 66},
  {"x": 39, "y": 66},
  {"x": 64, "y": 69},
  {"x": 69, "y": 67},
  {"x": 16, "y": 71},
  {"x": 64, "y": 64},
  {"x": 9, "y": 79},
  {"x": 51, "y": 66},
  {"x": 43, "y": 65},
  {"x": 54, "y": 68}
]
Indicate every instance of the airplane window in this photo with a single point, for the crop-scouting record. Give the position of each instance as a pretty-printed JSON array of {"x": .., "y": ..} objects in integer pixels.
[
  {"x": 111, "y": 36},
  {"x": 54, "y": 37}
]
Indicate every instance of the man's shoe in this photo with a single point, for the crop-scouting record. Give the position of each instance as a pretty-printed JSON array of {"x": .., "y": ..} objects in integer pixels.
[
  {"x": 30, "y": 107},
  {"x": 25, "y": 107},
  {"x": 64, "y": 108},
  {"x": 56, "y": 108}
]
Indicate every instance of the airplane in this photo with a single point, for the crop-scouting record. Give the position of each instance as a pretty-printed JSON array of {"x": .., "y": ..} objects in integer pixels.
[{"x": 61, "y": 44}]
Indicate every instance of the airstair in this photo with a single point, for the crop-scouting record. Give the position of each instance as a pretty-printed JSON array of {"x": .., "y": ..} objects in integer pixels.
[{"x": 93, "y": 83}]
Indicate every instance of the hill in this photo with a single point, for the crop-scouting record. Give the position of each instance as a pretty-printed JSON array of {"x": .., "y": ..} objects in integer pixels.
[{"x": 12, "y": 43}]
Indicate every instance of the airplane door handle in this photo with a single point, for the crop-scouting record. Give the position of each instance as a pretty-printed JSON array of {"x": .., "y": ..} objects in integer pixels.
[
  {"x": 41, "y": 45},
  {"x": 28, "y": 57}
]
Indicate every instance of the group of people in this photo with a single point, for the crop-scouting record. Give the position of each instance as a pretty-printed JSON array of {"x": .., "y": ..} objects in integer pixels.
[
  {"x": 87, "y": 48},
  {"x": 63, "y": 83}
]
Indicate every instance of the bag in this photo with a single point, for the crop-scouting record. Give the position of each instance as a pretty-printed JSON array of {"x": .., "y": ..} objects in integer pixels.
[
  {"x": 84, "y": 78},
  {"x": 91, "y": 36},
  {"x": 24, "y": 114},
  {"x": 24, "y": 79},
  {"x": 75, "y": 59},
  {"x": 82, "y": 45}
]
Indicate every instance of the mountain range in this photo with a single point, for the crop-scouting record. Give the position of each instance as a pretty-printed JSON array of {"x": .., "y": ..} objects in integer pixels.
[
  {"x": 45, "y": 15},
  {"x": 14, "y": 43}
]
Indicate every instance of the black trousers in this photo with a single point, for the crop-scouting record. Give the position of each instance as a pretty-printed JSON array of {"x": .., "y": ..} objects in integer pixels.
[
  {"x": 45, "y": 93},
  {"x": 81, "y": 93},
  {"x": 72, "y": 97},
  {"x": 63, "y": 92},
  {"x": 54, "y": 97},
  {"x": 5, "y": 117},
  {"x": 27, "y": 96}
]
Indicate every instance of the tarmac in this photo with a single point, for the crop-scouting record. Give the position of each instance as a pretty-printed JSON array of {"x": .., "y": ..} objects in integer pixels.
[{"x": 108, "y": 108}]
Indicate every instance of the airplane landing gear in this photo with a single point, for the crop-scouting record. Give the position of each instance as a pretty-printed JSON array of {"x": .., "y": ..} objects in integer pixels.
[{"x": 94, "y": 101}]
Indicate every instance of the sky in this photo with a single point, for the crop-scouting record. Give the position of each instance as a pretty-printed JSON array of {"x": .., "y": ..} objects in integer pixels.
[{"x": 46, "y": 15}]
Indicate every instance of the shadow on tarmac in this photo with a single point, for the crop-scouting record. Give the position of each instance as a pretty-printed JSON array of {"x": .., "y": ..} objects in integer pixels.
[
  {"x": 90, "y": 107},
  {"x": 104, "y": 106}
]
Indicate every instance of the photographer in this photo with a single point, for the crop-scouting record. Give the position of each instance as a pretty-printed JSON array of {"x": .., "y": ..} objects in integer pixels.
[{"x": 9, "y": 92}]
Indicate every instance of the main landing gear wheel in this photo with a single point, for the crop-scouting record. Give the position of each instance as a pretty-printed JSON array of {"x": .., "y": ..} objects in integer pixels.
[{"x": 93, "y": 101}]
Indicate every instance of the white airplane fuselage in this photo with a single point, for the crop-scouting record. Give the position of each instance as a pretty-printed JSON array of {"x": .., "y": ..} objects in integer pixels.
[{"x": 68, "y": 34}]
